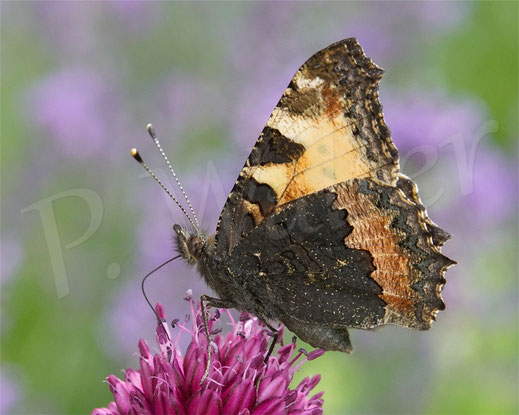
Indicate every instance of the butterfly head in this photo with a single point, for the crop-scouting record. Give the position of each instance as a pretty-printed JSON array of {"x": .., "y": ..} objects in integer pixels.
[{"x": 190, "y": 244}]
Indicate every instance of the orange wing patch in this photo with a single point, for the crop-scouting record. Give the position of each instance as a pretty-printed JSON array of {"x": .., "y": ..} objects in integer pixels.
[
  {"x": 384, "y": 232},
  {"x": 372, "y": 232}
]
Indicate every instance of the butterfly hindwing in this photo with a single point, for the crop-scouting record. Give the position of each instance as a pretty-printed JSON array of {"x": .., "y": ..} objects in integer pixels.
[{"x": 356, "y": 254}]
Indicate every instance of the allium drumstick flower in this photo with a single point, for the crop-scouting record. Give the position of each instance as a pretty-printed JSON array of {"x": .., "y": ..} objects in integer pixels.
[{"x": 169, "y": 383}]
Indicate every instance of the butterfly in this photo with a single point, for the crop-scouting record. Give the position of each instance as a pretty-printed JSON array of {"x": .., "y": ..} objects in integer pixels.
[{"x": 321, "y": 231}]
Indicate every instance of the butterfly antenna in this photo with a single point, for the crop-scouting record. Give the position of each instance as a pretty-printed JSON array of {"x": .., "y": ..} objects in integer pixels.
[
  {"x": 144, "y": 291},
  {"x": 135, "y": 154},
  {"x": 153, "y": 135}
]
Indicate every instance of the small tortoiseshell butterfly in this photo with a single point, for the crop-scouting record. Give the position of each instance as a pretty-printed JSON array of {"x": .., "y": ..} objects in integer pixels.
[{"x": 322, "y": 231}]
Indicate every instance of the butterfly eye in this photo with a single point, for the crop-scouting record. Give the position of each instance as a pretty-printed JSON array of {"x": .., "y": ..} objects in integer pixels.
[{"x": 196, "y": 246}]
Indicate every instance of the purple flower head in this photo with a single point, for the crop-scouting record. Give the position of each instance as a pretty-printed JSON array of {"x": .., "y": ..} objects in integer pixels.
[
  {"x": 135, "y": 15},
  {"x": 10, "y": 391},
  {"x": 492, "y": 196},
  {"x": 12, "y": 255},
  {"x": 445, "y": 143},
  {"x": 378, "y": 27},
  {"x": 72, "y": 106},
  {"x": 239, "y": 382},
  {"x": 439, "y": 16},
  {"x": 183, "y": 100},
  {"x": 83, "y": 17},
  {"x": 421, "y": 117}
]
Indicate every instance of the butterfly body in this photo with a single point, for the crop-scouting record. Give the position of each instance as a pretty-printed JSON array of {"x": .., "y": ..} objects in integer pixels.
[
  {"x": 236, "y": 290},
  {"x": 249, "y": 292},
  {"x": 321, "y": 230}
]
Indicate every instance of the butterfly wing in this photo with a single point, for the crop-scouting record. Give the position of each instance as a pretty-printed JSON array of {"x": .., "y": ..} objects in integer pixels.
[
  {"x": 356, "y": 254},
  {"x": 321, "y": 226},
  {"x": 327, "y": 128}
]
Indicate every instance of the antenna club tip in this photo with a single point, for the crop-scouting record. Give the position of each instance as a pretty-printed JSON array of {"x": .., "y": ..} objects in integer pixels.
[
  {"x": 151, "y": 131},
  {"x": 135, "y": 154}
]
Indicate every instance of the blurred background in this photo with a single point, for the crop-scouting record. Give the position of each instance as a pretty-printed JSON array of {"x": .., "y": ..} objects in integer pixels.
[{"x": 82, "y": 222}]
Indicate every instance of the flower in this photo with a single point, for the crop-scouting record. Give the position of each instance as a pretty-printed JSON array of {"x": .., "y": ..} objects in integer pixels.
[
  {"x": 239, "y": 382},
  {"x": 74, "y": 107},
  {"x": 10, "y": 390},
  {"x": 447, "y": 141},
  {"x": 421, "y": 117}
]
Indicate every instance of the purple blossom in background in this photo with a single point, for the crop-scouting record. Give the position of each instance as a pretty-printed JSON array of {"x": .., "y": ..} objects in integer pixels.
[
  {"x": 239, "y": 382},
  {"x": 9, "y": 393},
  {"x": 255, "y": 106},
  {"x": 75, "y": 108},
  {"x": 185, "y": 103},
  {"x": 12, "y": 255},
  {"x": 57, "y": 20},
  {"x": 260, "y": 78},
  {"x": 440, "y": 15},
  {"x": 136, "y": 14},
  {"x": 378, "y": 26},
  {"x": 450, "y": 138},
  {"x": 422, "y": 117},
  {"x": 267, "y": 21},
  {"x": 376, "y": 42},
  {"x": 494, "y": 196}
]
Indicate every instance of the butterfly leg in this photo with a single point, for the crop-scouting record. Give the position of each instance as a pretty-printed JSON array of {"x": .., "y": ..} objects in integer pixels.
[
  {"x": 206, "y": 301},
  {"x": 275, "y": 335}
]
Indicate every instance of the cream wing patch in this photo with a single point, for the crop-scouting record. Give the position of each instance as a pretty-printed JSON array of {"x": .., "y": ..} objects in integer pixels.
[{"x": 333, "y": 154}]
